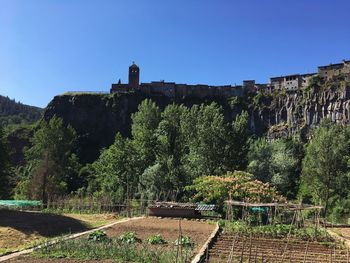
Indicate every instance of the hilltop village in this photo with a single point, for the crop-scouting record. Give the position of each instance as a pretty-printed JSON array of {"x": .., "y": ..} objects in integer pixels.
[{"x": 174, "y": 90}]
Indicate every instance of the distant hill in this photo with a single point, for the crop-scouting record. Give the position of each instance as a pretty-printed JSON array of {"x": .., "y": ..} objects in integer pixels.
[{"x": 12, "y": 112}]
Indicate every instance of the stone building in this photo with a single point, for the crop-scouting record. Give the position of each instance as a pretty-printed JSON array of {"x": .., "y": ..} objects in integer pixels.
[
  {"x": 291, "y": 82},
  {"x": 329, "y": 71},
  {"x": 133, "y": 84},
  {"x": 173, "y": 90}
]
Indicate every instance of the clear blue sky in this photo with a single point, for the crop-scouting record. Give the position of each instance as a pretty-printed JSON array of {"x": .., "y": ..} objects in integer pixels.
[{"x": 50, "y": 47}]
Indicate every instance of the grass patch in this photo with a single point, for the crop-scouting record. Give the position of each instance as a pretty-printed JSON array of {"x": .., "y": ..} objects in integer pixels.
[
  {"x": 94, "y": 220},
  {"x": 22, "y": 230},
  {"x": 113, "y": 249}
]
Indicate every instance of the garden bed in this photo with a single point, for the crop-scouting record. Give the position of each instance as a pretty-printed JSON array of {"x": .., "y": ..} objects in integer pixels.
[{"x": 143, "y": 228}]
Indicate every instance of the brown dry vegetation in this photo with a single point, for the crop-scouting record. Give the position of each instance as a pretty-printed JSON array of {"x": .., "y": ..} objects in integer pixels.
[{"x": 19, "y": 230}]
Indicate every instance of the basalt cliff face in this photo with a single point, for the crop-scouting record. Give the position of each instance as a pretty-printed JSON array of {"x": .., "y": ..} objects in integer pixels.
[
  {"x": 98, "y": 117},
  {"x": 298, "y": 112}
]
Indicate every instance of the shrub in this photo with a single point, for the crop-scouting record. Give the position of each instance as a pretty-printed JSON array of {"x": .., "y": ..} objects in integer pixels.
[
  {"x": 98, "y": 236},
  {"x": 184, "y": 241},
  {"x": 129, "y": 238},
  {"x": 156, "y": 240}
]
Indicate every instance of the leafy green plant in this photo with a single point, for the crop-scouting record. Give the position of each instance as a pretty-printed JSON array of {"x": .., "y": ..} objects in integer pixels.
[
  {"x": 98, "y": 236},
  {"x": 156, "y": 240},
  {"x": 129, "y": 238},
  {"x": 279, "y": 231},
  {"x": 84, "y": 250},
  {"x": 184, "y": 241}
]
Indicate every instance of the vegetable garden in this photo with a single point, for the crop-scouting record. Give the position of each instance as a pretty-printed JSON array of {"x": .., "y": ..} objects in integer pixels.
[
  {"x": 240, "y": 242},
  {"x": 141, "y": 240}
]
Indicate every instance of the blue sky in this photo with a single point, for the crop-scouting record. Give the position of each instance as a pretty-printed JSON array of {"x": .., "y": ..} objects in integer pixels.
[{"x": 50, "y": 47}]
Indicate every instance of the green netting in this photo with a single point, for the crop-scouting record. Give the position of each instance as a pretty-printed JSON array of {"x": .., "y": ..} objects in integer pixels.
[
  {"x": 259, "y": 209},
  {"x": 19, "y": 203}
]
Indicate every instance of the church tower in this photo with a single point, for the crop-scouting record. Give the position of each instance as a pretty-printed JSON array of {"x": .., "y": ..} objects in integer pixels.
[{"x": 134, "y": 76}]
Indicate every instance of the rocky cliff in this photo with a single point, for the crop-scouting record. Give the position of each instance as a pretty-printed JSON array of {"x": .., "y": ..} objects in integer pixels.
[
  {"x": 297, "y": 112},
  {"x": 98, "y": 117}
]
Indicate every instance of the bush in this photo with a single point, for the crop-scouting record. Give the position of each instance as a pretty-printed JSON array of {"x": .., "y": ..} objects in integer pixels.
[
  {"x": 156, "y": 240},
  {"x": 129, "y": 238},
  {"x": 184, "y": 241},
  {"x": 98, "y": 236}
]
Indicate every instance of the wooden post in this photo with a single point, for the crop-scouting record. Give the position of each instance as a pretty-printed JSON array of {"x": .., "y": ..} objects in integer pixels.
[
  {"x": 242, "y": 253},
  {"x": 250, "y": 248},
  {"x": 256, "y": 254},
  {"x": 306, "y": 250},
  {"x": 230, "y": 257},
  {"x": 331, "y": 259},
  {"x": 347, "y": 254}
]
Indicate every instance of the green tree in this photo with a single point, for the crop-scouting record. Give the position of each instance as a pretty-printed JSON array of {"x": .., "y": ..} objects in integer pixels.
[
  {"x": 4, "y": 167},
  {"x": 237, "y": 143},
  {"x": 116, "y": 171},
  {"x": 144, "y": 125},
  {"x": 51, "y": 160},
  {"x": 325, "y": 166},
  {"x": 237, "y": 185},
  {"x": 277, "y": 162},
  {"x": 167, "y": 176},
  {"x": 206, "y": 137}
]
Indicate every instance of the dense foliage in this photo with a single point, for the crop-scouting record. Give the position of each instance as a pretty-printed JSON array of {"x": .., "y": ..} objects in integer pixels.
[
  {"x": 4, "y": 167},
  {"x": 240, "y": 186},
  {"x": 183, "y": 154},
  {"x": 326, "y": 174},
  {"x": 12, "y": 112},
  {"x": 52, "y": 167},
  {"x": 168, "y": 150}
]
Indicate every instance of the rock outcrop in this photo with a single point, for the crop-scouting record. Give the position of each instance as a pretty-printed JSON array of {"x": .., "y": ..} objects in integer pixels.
[{"x": 98, "y": 117}]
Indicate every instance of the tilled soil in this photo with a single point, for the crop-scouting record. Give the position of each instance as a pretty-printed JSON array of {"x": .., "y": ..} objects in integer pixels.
[
  {"x": 144, "y": 228},
  {"x": 168, "y": 228},
  {"x": 256, "y": 249}
]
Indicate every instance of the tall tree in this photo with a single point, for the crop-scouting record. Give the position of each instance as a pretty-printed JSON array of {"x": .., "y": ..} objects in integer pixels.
[
  {"x": 276, "y": 162},
  {"x": 206, "y": 138},
  {"x": 51, "y": 159},
  {"x": 237, "y": 143},
  {"x": 4, "y": 167},
  {"x": 144, "y": 125},
  {"x": 116, "y": 171},
  {"x": 324, "y": 174},
  {"x": 167, "y": 176}
]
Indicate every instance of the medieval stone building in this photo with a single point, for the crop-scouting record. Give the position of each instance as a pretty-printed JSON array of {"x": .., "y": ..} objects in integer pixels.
[
  {"x": 174, "y": 90},
  {"x": 332, "y": 70}
]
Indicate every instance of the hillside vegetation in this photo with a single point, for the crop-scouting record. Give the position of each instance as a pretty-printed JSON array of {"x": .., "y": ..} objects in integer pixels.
[{"x": 12, "y": 112}]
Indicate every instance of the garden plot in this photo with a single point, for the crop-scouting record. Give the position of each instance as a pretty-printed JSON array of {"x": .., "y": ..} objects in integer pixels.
[
  {"x": 113, "y": 250},
  {"x": 235, "y": 248}
]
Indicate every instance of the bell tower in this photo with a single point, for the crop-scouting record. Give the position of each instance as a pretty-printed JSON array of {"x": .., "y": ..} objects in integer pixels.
[{"x": 134, "y": 76}]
